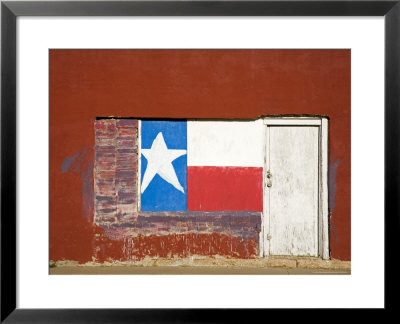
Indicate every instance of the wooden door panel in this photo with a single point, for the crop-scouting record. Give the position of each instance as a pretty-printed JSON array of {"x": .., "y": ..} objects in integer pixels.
[{"x": 293, "y": 197}]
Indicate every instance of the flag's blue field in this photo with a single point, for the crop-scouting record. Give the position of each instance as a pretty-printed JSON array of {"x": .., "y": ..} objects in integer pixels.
[{"x": 163, "y": 165}]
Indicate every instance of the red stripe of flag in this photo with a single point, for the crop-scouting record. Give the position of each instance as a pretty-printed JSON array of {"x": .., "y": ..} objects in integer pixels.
[{"x": 224, "y": 188}]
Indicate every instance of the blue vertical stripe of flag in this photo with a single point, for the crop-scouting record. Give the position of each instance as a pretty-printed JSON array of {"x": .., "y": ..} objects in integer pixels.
[{"x": 161, "y": 195}]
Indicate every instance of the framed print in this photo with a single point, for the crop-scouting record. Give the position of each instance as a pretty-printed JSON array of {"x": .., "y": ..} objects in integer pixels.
[{"x": 196, "y": 138}]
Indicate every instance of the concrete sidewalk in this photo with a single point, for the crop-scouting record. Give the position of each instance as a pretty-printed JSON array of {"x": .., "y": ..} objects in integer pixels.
[{"x": 205, "y": 265}]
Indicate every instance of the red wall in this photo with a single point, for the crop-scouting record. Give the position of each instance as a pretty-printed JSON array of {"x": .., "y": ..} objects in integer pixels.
[{"x": 85, "y": 84}]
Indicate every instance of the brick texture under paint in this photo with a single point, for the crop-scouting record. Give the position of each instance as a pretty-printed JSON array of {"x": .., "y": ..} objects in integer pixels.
[
  {"x": 115, "y": 171},
  {"x": 245, "y": 225}
]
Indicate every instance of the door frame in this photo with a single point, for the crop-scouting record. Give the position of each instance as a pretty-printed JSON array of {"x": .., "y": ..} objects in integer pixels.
[{"x": 323, "y": 211}]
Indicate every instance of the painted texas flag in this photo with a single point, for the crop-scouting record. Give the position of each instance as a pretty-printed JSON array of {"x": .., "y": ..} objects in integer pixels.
[{"x": 201, "y": 165}]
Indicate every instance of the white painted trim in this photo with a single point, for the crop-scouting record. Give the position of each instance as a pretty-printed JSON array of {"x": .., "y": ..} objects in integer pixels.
[
  {"x": 264, "y": 242},
  {"x": 323, "y": 212},
  {"x": 295, "y": 121},
  {"x": 139, "y": 144},
  {"x": 318, "y": 234},
  {"x": 261, "y": 235}
]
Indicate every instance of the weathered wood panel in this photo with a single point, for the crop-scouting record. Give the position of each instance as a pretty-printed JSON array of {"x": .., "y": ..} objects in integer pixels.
[{"x": 293, "y": 196}]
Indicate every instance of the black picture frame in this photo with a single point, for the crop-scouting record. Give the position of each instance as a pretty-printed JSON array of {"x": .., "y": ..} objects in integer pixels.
[{"x": 10, "y": 10}]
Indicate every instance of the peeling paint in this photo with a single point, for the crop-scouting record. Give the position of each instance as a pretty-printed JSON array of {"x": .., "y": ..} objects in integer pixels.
[
  {"x": 173, "y": 245},
  {"x": 115, "y": 174}
]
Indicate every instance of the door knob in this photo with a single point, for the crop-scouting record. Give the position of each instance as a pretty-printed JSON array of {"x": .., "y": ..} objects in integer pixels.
[{"x": 269, "y": 180}]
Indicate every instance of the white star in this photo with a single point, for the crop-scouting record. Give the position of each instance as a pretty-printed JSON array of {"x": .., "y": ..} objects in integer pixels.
[{"x": 159, "y": 161}]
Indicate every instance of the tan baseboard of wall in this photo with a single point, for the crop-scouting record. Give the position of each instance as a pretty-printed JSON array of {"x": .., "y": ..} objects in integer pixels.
[{"x": 206, "y": 265}]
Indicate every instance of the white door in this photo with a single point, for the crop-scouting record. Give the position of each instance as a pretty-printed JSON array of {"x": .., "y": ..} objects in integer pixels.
[{"x": 292, "y": 190}]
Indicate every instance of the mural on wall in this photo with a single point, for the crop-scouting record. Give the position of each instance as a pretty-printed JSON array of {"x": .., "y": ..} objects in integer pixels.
[
  {"x": 199, "y": 182},
  {"x": 161, "y": 153}
]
